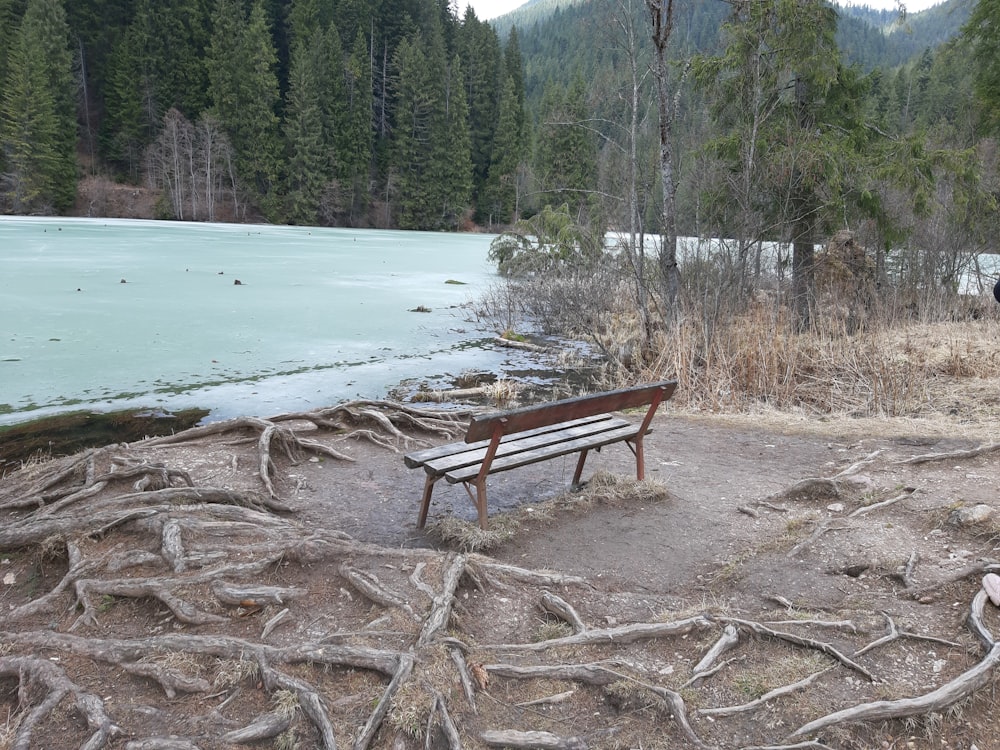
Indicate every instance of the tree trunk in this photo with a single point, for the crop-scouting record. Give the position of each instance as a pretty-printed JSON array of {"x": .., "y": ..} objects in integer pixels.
[{"x": 662, "y": 18}]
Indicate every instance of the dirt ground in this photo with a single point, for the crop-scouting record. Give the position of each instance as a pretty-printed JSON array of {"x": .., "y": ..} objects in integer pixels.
[{"x": 773, "y": 531}]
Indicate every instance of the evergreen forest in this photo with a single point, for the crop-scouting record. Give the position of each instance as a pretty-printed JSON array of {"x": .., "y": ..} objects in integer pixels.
[{"x": 409, "y": 114}]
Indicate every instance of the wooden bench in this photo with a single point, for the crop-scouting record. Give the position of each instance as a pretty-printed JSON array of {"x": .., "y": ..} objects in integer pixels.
[{"x": 505, "y": 440}]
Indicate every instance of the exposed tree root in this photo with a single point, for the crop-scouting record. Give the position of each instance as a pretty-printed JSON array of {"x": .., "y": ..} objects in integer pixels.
[
  {"x": 936, "y": 701},
  {"x": 32, "y": 671},
  {"x": 531, "y": 740},
  {"x": 981, "y": 450},
  {"x": 366, "y": 646}
]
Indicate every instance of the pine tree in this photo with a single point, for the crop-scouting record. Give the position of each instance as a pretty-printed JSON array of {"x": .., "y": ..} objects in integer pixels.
[
  {"x": 454, "y": 158},
  {"x": 500, "y": 203},
  {"x": 983, "y": 29},
  {"x": 431, "y": 147},
  {"x": 157, "y": 64},
  {"x": 482, "y": 63},
  {"x": 354, "y": 141},
  {"x": 244, "y": 92},
  {"x": 567, "y": 151},
  {"x": 309, "y": 165},
  {"x": 38, "y": 128},
  {"x": 417, "y": 108}
]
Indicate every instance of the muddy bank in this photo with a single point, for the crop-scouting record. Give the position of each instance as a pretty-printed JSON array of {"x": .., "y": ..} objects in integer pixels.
[{"x": 65, "y": 434}]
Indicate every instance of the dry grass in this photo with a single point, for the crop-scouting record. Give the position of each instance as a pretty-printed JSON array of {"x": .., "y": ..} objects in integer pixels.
[
  {"x": 603, "y": 488},
  {"x": 757, "y": 363}
]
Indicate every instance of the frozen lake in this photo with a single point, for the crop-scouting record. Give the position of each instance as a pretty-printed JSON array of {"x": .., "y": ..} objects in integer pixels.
[{"x": 319, "y": 316}]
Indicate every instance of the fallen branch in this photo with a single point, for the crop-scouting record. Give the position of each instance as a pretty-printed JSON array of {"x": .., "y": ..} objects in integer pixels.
[
  {"x": 547, "y": 700},
  {"x": 589, "y": 674},
  {"x": 853, "y": 468},
  {"x": 895, "y": 634},
  {"x": 455, "y": 652},
  {"x": 729, "y": 639},
  {"x": 441, "y": 606},
  {"x": 372, "y": 590}
]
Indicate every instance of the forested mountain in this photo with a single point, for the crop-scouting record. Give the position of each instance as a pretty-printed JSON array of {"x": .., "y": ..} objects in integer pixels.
[{"x": 392, "y": 113}]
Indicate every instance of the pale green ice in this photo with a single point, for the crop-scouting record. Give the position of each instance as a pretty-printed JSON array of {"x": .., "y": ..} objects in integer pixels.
[{"x": 320, "y": 315}]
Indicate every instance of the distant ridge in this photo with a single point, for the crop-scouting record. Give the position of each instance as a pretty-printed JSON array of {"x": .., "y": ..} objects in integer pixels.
[{"x": 868, "y": 37}]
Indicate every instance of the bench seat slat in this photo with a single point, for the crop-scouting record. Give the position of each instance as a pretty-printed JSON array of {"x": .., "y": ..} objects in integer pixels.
[
  {"x": 422, "y": 457},
  {"x": 545, "y": 452},
  {"x": 515, "y": 444}
]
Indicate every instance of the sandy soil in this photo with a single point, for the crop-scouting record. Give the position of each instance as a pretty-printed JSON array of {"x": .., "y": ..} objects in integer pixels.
[{"x": 741, "y": 538}]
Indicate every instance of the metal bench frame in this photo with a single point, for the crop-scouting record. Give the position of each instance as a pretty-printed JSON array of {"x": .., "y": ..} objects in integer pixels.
[{"x": 506, "y": 440}]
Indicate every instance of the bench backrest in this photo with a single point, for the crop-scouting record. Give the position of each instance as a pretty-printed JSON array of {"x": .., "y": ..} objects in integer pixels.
[{"x": 542, "y": 415}]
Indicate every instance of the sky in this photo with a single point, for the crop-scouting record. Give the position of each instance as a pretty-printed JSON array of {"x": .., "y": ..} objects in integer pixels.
[{"x": 487, "y": 9}]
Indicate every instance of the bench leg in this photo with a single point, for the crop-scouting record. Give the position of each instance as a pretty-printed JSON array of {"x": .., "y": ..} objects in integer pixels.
[
  {"x": 425, "y": 501},
  {"x": 481, "y": 503},
  {"x": 640, "y": 463},
  {"x": 579, "y": 469}
]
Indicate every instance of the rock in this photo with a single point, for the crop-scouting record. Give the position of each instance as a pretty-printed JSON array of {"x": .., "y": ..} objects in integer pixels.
[
  {"x": 974, "y": 516},
  {"x": 991, "y": 584}
]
